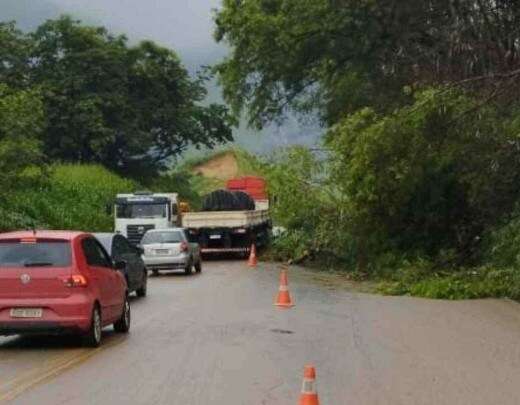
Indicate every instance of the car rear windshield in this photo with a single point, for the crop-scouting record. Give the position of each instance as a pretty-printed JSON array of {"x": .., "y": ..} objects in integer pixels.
[
  {"x": 40, "y": 253},
  {"x": 162, "y": 237}
]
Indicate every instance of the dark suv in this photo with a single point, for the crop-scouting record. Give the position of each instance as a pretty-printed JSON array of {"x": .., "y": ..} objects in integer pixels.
[{"x": 134, "y": 270}]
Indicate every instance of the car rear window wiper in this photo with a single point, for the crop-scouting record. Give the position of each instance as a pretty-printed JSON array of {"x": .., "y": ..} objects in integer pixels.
[{"x": 37, "y": 264}]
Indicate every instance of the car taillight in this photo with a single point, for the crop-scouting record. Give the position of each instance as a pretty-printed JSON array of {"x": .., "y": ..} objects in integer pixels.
[
  {"x": 76, "y": 280},
  {"x": 184, "y": 247}
]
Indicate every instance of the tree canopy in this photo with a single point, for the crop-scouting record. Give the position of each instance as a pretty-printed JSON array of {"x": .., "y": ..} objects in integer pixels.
[
  {"x": 21, "y": 125},
  {"x": 130, "y": 108},
  {"x": 337, "y": 56}
]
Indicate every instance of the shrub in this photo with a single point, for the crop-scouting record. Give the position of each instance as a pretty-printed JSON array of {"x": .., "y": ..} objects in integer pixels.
[{"x": 481, "y": 282}]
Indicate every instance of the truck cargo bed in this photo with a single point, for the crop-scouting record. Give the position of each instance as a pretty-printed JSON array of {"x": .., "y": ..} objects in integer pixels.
[{"x": 224, "y": 219}]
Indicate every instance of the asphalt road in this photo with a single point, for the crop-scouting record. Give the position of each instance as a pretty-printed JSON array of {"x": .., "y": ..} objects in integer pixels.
[{"x": 216, "y": 338}]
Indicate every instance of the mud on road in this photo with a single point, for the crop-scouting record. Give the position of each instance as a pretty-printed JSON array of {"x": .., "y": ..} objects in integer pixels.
[{"x": 216, "y": 338}]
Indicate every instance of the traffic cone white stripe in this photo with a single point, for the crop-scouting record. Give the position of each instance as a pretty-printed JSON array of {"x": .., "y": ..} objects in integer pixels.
[
  {"x": 309, "y": 396},
  {"x": 308, "y": 387}
]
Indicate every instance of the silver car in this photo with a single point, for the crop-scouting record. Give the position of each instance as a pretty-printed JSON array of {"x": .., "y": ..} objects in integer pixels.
[{"x": 170, "y": 249}]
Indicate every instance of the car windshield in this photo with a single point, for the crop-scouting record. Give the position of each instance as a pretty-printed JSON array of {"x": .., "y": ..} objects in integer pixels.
[
  {"x": 142, "y": 211},
  {"x": 162, "y": 237},
  {"x": 37, "y": 254}
]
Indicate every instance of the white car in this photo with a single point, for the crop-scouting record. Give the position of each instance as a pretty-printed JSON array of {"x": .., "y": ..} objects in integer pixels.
[{"x": 170, "y": 249}]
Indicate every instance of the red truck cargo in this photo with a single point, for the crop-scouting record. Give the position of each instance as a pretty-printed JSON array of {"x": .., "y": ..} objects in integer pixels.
[{"x": 256, "y": 187}]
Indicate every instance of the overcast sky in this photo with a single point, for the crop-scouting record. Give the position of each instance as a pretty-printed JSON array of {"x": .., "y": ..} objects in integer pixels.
[{"x": 184, "y": 25}]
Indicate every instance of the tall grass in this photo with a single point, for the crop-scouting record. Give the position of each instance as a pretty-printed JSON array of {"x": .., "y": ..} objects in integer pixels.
[{"x": 72, "y": 197}]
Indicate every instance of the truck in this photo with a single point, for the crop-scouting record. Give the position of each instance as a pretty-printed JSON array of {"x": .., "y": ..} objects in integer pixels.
[
  {"x": 232, "y": 231},
  {"x": 138, "y": 212}
]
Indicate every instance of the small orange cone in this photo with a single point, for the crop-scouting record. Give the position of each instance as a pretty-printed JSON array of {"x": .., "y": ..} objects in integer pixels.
[
  {"x": 309, "y": 395},
  {"x": 253, "y": 261},
  {"x": 283, "y": 298}
]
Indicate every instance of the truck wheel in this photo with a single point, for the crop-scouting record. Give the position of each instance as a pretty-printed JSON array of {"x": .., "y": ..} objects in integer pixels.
[{"x": 155, "y": 272}]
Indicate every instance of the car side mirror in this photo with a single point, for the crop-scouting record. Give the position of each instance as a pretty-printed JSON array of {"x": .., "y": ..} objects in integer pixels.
[{"x": 119, "y": 265}]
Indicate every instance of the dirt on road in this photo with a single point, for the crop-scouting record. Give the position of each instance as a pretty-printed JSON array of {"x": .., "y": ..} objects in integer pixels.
[{"x": 216, "y": 338}]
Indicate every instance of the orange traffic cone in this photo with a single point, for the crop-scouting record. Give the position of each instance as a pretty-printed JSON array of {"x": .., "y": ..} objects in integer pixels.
[
  {"x": 283, "y": 298},
  {"x": 253, "y": 261},
  {"x": 309, "y": 395}
]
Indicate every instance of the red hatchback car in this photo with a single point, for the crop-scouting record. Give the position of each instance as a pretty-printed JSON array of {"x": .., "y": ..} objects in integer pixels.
[{"x": 54, "y": 282}]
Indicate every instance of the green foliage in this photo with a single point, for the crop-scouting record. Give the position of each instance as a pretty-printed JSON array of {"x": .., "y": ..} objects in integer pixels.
[
  {"x": 306, "y": 206},
  {"x": 131, "y": 109},
  {"x": 480, "y": 282},
  {"x": 294, "y": 244},
  {"x": 340, "y": 56},
  {"x": 303, "y": 54},
  {"x": 14, "y": 51},
  {"x": 424, "y": 178},
  {"x": 501, "y": 245},
  {"x": 73, "y": 197},
  {"x": 21, "y": 123}
]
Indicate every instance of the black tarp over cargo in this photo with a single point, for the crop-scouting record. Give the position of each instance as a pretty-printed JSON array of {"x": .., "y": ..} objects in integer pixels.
[{"x": 224, "y": 200}]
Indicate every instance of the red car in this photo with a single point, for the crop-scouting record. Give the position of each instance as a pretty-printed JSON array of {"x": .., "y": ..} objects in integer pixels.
[{"x": 54, "y": 282}]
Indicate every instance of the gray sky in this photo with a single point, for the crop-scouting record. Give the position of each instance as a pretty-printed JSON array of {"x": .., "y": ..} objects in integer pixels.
[{"x": 184, "y": 25}]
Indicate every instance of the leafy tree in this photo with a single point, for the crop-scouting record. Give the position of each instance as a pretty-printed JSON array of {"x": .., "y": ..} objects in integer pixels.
[
  {"x": 132, "y": 109},
  {"x": 21, "y": 125},
  {"x": 293, "y": 181},
  {"x": 14, "y": 54},
  {"x": 340, "y": 55},
  {"x": 426, "y": 177}
]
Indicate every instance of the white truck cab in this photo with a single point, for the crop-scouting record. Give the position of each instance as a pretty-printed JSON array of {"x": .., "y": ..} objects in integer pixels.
[{"x": 141, "y": 211}]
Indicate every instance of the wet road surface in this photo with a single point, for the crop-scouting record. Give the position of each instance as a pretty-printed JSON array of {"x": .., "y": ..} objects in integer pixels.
[{"x": 216, "y": 338}]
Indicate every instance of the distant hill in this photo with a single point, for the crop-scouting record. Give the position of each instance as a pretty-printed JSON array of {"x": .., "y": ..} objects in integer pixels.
[{"x": 220, "y": 166}]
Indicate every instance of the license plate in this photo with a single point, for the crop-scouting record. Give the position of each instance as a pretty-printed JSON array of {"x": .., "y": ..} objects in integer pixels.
[
  {"x": 26, "y": 313},
  {"x": 214, "y": 236},
  {"x": 162, "y": 252}
]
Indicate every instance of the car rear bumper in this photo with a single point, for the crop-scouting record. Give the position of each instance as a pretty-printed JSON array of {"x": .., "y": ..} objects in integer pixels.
[
  {"x": 59, "y": 315},
  {"x": 38, "y": 328},
  {"x": 166, "y": 262}
]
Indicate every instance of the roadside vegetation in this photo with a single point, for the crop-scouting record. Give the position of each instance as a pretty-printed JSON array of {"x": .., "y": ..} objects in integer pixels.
[
  {"x": 69, "y": 197},
  {"x": 416, "y": 186}
]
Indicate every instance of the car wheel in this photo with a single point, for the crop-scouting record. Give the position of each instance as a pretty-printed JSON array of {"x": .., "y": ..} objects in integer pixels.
[
  {"x": 155, "y": 272},
  {"x": 123, "y": 325},
  {"x": 188, "y": 268},
  {"x": 198, "y": 266},
  {"x": 93, "y": 336},
  {"x": 141, "y": 292}
]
